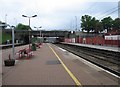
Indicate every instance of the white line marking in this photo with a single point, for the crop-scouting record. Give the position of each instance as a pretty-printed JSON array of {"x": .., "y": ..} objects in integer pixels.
[
  {"x": 62, "y": 49},
  {"x": 91, "y": 64},
  {"x": 94, "y": 66},
  {"x": 77, "y": 82}
]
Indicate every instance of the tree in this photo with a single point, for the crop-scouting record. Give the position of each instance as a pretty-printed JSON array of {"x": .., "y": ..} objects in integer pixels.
[
  {"x": 86, "y": 23},
  {"x": 98, "y": 27},
  {"x": 116, "y": 24},
  {"x": 90, "y": 23},
  {"x": 93, "y": 24},
  {"x": 107, "y": 23},
  {"x": 22, "y": 27},
  {"x": 24, "y": 37}
]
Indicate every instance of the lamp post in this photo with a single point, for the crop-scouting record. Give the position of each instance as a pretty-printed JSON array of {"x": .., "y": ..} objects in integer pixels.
[
  {"x": 29, "y": 25},
  {"x": 13, "y": 39},
  {"x": 40, "y": 30}
]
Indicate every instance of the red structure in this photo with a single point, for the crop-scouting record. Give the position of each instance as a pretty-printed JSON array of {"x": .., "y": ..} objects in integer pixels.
[{"x": 112, "y": 38}]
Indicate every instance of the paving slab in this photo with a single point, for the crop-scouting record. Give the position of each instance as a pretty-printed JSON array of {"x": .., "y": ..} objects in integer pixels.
[
  {"x": 87, "y": 73},
  {"x": 42, "y": 69}
]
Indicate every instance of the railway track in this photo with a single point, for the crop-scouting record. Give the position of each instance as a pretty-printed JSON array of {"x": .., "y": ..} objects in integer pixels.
[{"x": 106, "y": 59}]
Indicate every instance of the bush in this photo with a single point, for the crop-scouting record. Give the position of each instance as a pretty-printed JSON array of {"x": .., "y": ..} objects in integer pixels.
[{"x": 5, "y": 37}]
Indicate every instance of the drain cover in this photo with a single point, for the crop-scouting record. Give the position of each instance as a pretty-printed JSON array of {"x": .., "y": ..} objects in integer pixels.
[{"x": 53, "y": 62}]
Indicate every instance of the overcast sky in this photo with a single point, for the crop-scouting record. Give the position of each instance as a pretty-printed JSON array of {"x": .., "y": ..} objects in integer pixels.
[{"x": 55, "y": 14}]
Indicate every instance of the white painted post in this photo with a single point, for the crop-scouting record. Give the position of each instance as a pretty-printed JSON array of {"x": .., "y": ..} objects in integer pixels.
[{"x": 13, "y": 39}]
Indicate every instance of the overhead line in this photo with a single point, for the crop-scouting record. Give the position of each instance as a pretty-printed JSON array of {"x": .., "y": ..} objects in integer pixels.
[
  {"x": 110, "y": 13},
  {"x": 107, "y": 11}
]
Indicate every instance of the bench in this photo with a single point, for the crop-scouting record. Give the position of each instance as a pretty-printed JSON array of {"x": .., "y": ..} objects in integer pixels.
[
  {"x": 23, "y": 52},
  {"x": 38, "y": 45},
  {"x": 29, "y": 53},
  {"x": 20, "y": 53}
]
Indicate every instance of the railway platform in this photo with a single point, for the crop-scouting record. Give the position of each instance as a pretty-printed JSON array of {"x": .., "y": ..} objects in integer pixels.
[
  {"x": 9, "y": 45},
  {"x": 52, "y": 65},
  {"x": 108, "y": 48}
]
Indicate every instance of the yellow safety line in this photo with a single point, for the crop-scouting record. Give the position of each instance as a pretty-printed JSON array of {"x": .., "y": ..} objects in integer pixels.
[{"x": 68, "y": 71}]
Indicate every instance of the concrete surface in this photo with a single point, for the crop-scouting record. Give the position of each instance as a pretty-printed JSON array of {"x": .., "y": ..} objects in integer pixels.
[{"x": 45, "y": 69}]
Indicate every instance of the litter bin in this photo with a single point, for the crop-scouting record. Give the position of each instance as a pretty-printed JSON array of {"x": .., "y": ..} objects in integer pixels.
[{"x": 33, "y": 47}]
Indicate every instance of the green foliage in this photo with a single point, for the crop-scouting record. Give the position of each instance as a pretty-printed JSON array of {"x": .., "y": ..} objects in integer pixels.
[
  {"x": 5, "y": 37},
  {"x": 86, "y": 23},
  {"x": 90, "y": 23},
  {"x": 107, "y": 23},
  {"x": 116, "y": 24},
  {"x": 22, "y": 27},
  {"x": 98, "y": 27},
  {"x": 34, "y": 40}
]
